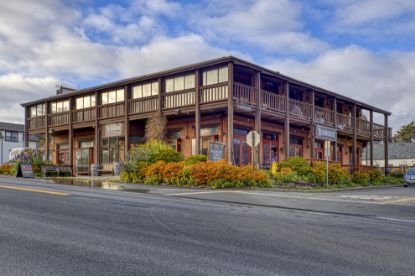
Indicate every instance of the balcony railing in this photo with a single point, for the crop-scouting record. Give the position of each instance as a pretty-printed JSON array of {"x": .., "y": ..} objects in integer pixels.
[
  {"x": 344, "y": 122},
  {"x": 324, "y": 116},
  {"x": 143, "y": 105},
  {"x": 58, "y": 119},
  {"x": 111, "y": 110},
  {"x": 244, "y": 94},
  {"x": 300, "y": 109},
  {"x": 178, "y": 99},
  {"x": 37, "y": 122},
  {"x": 84, "y": 115},
  {"x": 214, "y": 93},
  {"x": 273, "y": 102},
  {"x": 363, "y": 126}
]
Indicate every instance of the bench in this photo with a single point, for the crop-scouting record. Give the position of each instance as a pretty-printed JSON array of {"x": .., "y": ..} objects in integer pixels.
[
  {"x": 56, "y": 171},
  {"x": 106, "y": 169}
]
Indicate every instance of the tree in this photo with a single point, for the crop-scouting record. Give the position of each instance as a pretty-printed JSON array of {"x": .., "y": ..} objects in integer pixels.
[
  {"x": 406, "y": 133},
  {"x": 156, "y": 128}
]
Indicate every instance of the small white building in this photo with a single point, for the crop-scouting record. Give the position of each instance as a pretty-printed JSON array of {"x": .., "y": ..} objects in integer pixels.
[
  {"x": 400, "y": 154},
  {"x": 11, "y": 136}
]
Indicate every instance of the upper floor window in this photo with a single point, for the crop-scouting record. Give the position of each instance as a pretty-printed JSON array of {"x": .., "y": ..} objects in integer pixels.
[
  {"x": 58, "y": 107},
  {"x": 112, "y": 96},
  {"x": 217, "y": 75},
  {"x": 85, "y": 102},
  {"x": 11, "y": 136},
  {"x": 146, "y": 90},
  {"x": 180, "y": 83},
  {"x": 38, "y": 110}
]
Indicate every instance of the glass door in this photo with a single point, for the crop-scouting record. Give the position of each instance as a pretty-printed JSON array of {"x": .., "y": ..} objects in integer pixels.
[
  {"x": 269, "y": 150},
  {"x": 83, "y": 163}
]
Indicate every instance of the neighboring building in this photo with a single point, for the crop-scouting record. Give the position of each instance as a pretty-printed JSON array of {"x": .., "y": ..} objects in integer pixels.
[
  {"x": 400, "y": 154},
  {"x": 11, "y": 136},
  {"x": 218, "y": 100}
]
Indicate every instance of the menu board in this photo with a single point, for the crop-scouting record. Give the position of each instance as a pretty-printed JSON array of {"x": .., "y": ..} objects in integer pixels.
[{"x": 216, "y": 151}]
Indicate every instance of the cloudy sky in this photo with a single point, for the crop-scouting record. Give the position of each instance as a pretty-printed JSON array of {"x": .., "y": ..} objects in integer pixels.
[{"x": 364, "y": 49}]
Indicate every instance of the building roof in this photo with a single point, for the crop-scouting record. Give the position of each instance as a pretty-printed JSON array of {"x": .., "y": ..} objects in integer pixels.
[
  {"x": 11, "y": 126},
  {"x": 395, "y": 150},
  {"x": 203, "y": 64}
]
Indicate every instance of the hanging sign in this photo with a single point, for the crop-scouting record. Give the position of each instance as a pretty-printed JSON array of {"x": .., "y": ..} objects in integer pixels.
[
  {"x": 325, "y": 133},
  {"x": 113, "y": 130}
]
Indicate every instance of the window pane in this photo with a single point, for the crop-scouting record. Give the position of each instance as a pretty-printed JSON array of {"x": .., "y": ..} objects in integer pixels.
[
  {"x": 40, "y": 110},
  {"x": 53, "y": 108},
  {"x": 87, "y": 102},
  {"x": 204, "y": 78},
  {"x": 178, "y": 83},
  {"x": 43, "y": 109},
  {"x": 137, "y": 92},
  {"x": 92, "y": 101},
  {"x": 169, "y": 85},
  {"x": 120, "y": 95},
  {"x": 189, "y": 81},
  {"x": 212, "y": 76},
  {"x": 155, "y": 88},
  {"x": 112, "y": 97},
  {"x": 33, "y": 111},
  {"x": 147, "y": 90},
  {"x": 104, "y": 98},
  {"x": 65, "y": 106},
  {"x": 79, "y": 103},
  {"x": 223, "y": 74}
]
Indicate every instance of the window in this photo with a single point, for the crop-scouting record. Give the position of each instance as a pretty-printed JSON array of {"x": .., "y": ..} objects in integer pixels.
[
  {"x": 112, "y": 96},
  {"x": 38, "y": 110},
  {"x": 59, "y": 107},
  {"x": 85, "y": 102},
  {"x": 112, "y": 149},
  {"x": 12, "y": 136},
  {"x": 146, "y": 90},
  {"x": 296, "y": 146},
  {"x": 214, "y": 76},
  {"x": 180, "y": 83}
]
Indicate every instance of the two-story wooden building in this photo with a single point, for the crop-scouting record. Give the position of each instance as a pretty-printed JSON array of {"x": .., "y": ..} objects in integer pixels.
[{"x": 218, "y": 100}]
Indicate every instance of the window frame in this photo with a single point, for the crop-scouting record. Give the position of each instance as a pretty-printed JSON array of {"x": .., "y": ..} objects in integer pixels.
[
  {"x": 219, "y": 78},
  {"x": 59, "y": 107},
  {"x": 9, "y": 137},
  {"x": 118, "y": 96},
  {"x": 183, "y": 79}
]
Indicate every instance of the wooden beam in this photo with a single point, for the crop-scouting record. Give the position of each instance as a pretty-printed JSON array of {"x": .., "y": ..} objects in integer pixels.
[
  {"x": 335, "y": 126},
  {"x": 371, "y": 138},
  {"x": 160, "y": 98},
  {"x": 97, "y": 147},
  {"x": 47, "y": 131},
  {"x": 354, "y": 142},
  {"x": 71, "y": 155},
  {"x": 386, "y": 142},
  {"x": 287, "y": 120},
  {"x": 230, "y": 114},
  {"x": 312, "y": 139},
  {"x": 197, "y": 111},
  {"x": 25, "y": 134},
  {"x": 127, "y": 96},
  {"x": 258, "y": 98}
]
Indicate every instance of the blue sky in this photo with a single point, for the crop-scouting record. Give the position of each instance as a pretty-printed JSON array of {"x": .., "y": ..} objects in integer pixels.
[{"x": 363, "y": 49}]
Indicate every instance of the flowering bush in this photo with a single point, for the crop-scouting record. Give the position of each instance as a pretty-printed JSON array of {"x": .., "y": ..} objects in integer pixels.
[
  {"x": 153, "y": 152},
  {"x": 375, "y": 177},
  {"x": 360, "y": 178},
  {"x": 195, "y": 159},
  {"x": 296, "y": 164},
  {"x": 154, "y": 173},
  {"x": 286, "y": 175},
  {"x": 337, "y": 175},
  {"x": 6, "y": 169}
]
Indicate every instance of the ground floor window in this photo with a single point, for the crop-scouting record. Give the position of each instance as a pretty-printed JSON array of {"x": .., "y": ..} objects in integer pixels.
[
  {"x": 296, "y": 146},
  {"x": 339, "y": 156},
  {"x": 174, "y": 139},
  {"x": 112, "y": 149},
  {"x": 318, "y": 150},
  {"x": 208, "y": 134},
  {"x": 63, "y": 154}
]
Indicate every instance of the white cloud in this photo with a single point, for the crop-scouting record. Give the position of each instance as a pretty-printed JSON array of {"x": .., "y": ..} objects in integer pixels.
[{"x": 386, "y": 81}]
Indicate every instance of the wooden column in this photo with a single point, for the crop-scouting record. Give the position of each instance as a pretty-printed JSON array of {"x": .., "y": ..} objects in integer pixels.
[
  {"x": 25, "y": 134},
  {"x": 71, "y": 155},
  {"x": 371, "y": 138},
  {"x": 258, "y": 97},
  {"x": 312, "y": 127},
  {"x": 335, "y": 127},
  {"x": 47, "y": 131},
  {"x": 354, "y": 142},
  {"x": 160, "y": 97},
  {"x": 197, "y": 111},
  {"x": 97, "y": 146},
  {"x": 230, "y": 114},
  {"x": 386, "y": 142},
  {"x": 287, "y": 120},
  {"x": 127, "y": 123}
]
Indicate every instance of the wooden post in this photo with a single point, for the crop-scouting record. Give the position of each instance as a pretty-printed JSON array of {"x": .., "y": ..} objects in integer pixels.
[
  {"x": 127, "y": 123},
  {"x": 71, "y": 155},
  {"x": 47, "y": 131},
  {"x": 258, "y": 97},
  {"x": 197, "y": 111},
  {"x": 230, "y": 114},
  {"x": 354, "y": 142},
  {"x": 287, "y": 120},
  {"x": 25, "y": 134},
  {"x": 160, "y": 98},
  {"x": 335, "y": 126},
  {"x": 371, "y": 138},
  {"x": 97, "y": 139},
  {"x": 312, "y": 139},
  {"x": 386, "y": 142}
]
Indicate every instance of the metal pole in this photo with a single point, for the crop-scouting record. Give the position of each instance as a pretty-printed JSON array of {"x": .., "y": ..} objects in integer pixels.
[{"x": 327, "y": 169}]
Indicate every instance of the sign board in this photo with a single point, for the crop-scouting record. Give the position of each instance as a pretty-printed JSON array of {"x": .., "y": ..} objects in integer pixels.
[
  {"x": 216, "y": 151},
  {"x": 113, "y": 130},
  {"x": 25, "y": 170},
  {"x": 325, "y": 133},
  {"x": 327, "y": 145},
  {"x": 253, "y": 139}
]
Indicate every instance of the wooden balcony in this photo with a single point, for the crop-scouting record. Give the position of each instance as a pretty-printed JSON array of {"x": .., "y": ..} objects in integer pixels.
[
  {"x": 244, "y": 94},
  {"x": 344, "y": 122},
  {"x": 143, "y": 105},
  {"x": 214, "y": 93},
  {"x": 84, "y": 115},
  {"x": 111, "y": 110},
  {"x": 273, "y": 102},
  {"x": 379, "y": 131},
  {"x": 299, "y": 109},
  {"x": 58, "y": 119},
  {"x": 178, "y": 99},
  {"x": 363, "y": 126},
  {"x": 36, "y": 122},
  {"x": 324, "y": 116}
]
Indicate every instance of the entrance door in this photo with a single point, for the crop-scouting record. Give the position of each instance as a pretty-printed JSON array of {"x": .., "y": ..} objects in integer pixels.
[
  {"x": 63, "y": 154},
  {"x": 83, "y": 160},
  {"x": 241, "y": 151},
  {"x": 269, "y": 150}
]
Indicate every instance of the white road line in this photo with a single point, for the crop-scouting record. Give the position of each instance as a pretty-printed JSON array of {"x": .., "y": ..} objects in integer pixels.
[
  {"x": 196, "y": 193},
  {"x": 398, "y": 220}
]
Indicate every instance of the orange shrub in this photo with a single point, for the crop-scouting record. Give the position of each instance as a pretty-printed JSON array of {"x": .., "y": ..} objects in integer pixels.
[
  {"x": 6, "y": 169},
  {"x": 172, "y": 172}
]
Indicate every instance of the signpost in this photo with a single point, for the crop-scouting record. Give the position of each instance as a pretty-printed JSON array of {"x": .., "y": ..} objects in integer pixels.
[
  {"x": 216, "y": 151},
  {"x": 253, "y": 139},
  {"x": 327, "y": 153},
  {"x": 328, "y": 134}
]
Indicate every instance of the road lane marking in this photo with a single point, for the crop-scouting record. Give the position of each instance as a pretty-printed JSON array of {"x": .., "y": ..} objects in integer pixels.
[
  {"x": 400, "y": 200},
  {"x": 34, "y": 190},
  {"x": 196, "y": 193}
]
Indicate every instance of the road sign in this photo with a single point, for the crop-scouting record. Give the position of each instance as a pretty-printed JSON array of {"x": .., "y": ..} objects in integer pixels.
[
  {"x": 327, "y": 148},
  {"x": 253, "y": 139}
]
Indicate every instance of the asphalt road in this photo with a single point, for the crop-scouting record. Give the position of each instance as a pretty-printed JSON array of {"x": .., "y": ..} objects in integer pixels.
[{"x": 85, "y": 231}]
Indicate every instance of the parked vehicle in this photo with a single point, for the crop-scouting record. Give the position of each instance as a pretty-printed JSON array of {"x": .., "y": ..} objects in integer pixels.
[{"x": 409, "y": 177}]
